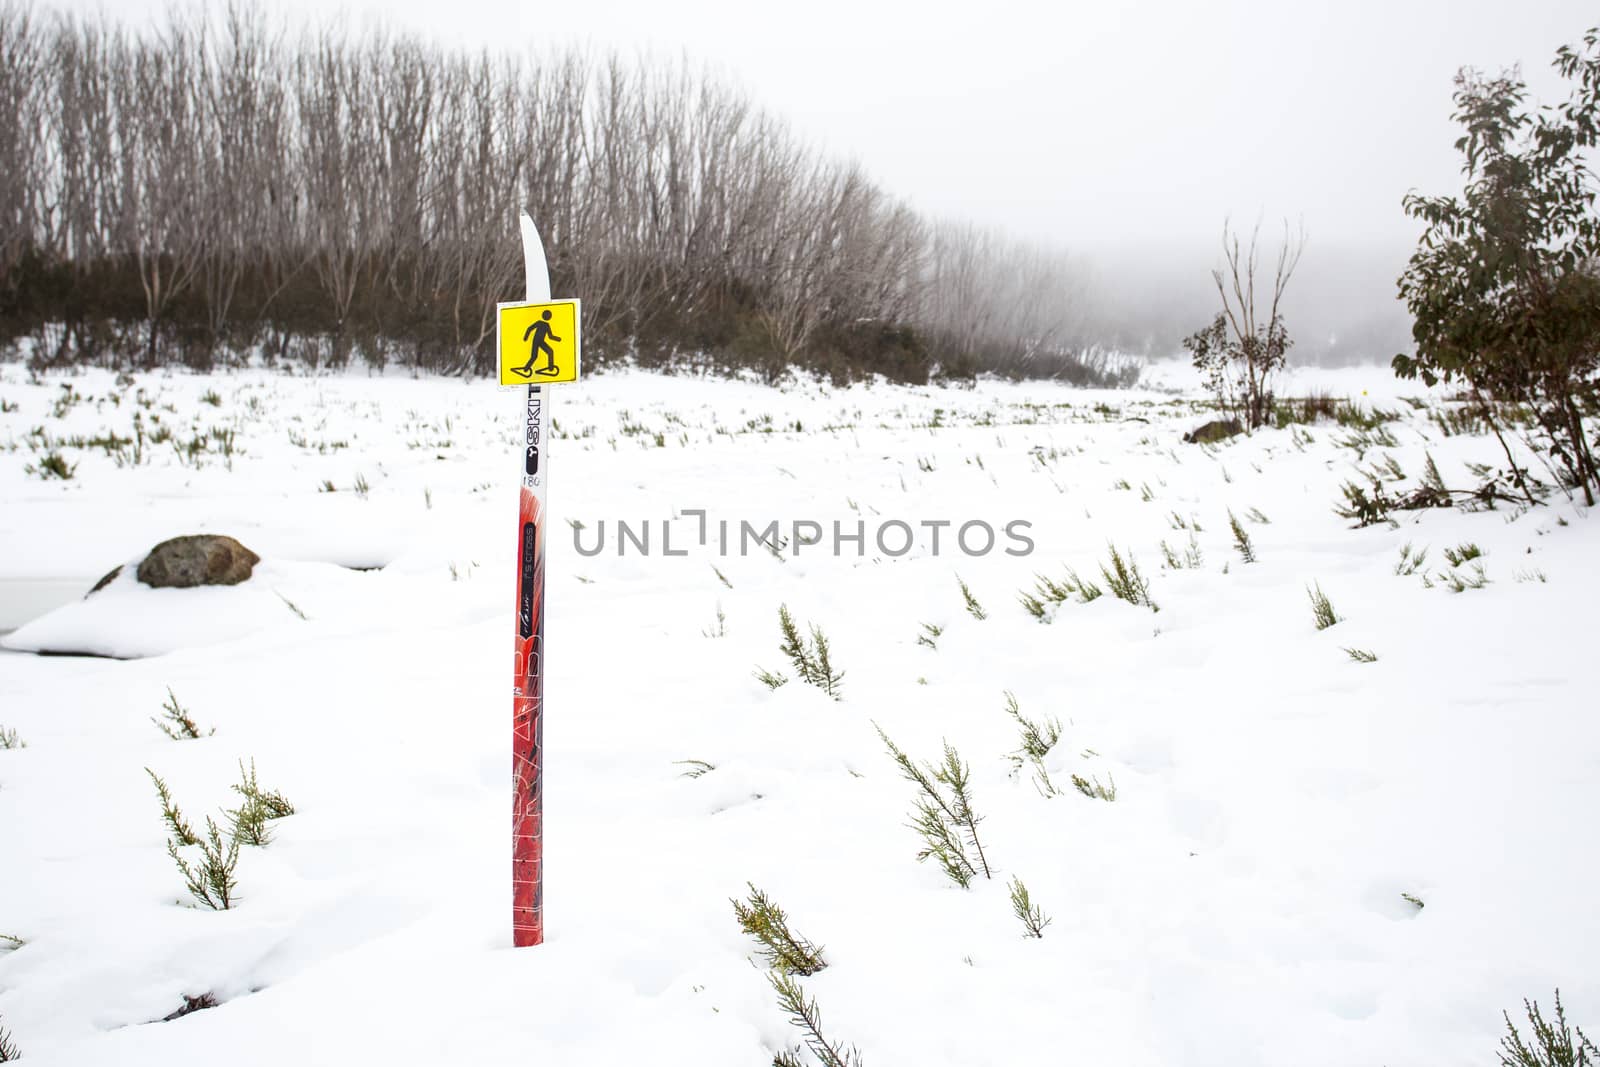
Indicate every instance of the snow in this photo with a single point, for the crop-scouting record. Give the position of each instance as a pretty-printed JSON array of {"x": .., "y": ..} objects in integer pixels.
[{"x": 1239, "y": 901}]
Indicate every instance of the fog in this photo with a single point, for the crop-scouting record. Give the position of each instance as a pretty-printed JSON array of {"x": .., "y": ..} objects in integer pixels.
[{"x": 1125, "y": 134}]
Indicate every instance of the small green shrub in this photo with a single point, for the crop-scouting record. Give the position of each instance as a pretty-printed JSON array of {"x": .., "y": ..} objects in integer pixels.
[
  {"x": 1091, "y": 787},
  {"x": 1122, "y": 577},
  {"x": 811, "y": 658},
  {"x": 1321, "y": 608},
  {"x": 807, "y": 1018},
  {"x": 785, "y": 951},
  {"x": 1037, "y": 739},
  {"x": 974, "y": 608},
  {"x": 257, "y": 808},
  {"x": 1553, "y": 1044},
  {"x": 1241, "y": 538},
  {"x": 212, "y": 882},
  {"x": 943, "y": 816},
  {"x": 1033, "y": 918},
  {"x": 175, "y": 721}
]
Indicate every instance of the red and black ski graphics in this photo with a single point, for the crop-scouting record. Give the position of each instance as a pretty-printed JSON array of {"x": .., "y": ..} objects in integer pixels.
[{"x": 527, "y": 741}]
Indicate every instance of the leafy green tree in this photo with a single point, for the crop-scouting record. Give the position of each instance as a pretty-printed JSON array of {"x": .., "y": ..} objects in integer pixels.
[{"x": 1504, "y": 285}]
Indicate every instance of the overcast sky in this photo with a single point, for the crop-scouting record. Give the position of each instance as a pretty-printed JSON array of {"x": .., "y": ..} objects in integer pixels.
[{"x": 1123, "y": 130}]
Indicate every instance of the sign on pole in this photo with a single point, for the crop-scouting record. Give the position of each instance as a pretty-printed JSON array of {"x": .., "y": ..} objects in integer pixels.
[{"x": 538, "y": 344}]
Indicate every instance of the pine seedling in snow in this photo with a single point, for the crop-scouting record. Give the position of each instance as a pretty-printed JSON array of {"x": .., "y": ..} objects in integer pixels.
[
  {"x": 943, "y": 816},
  {"x": 1034, "y": 920},
  {"x": 1552, "y": 1046},
  {"x": 1321, "y": 608},
  {"x": 785, "y": 951},
  {"x": 804, "y": 1015},
  {"x": 930, "y": 635},
  {"x": 810, "y": 658},
  {"x": 974, "y": 608},
  {"x": 1037, "y": 741},
  {"x": 170, "y": 813},
  {"x": 8, "y": 1048},
  {"x": 1125, "y": 581},
  {"x": 175, "y": 721},
  {"x": 1241, "y": 539},
  {"x": 698, "y": 768},
  {"x": 10, "y": 942},
  {"x": 1361, "y": 655},
  {"x": 9, "y": 739},
  {"x": 212, "y": 883},
  {"x": 249, "y": 820}
]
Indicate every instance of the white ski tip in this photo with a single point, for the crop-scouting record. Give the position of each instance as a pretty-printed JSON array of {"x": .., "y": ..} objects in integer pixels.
[{"x": 535, "y": 272}]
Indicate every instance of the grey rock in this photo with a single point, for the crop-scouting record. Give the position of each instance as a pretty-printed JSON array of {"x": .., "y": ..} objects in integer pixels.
[
  {"x": 198, "y": 559},
  {"x": 1215, "y": 430}
]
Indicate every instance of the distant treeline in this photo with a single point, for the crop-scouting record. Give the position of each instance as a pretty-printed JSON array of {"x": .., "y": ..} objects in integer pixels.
[{"x": 217, "y": 186}]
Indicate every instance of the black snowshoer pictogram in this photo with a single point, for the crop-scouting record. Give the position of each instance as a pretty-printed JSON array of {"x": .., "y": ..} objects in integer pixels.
[{"x": 542, "y": 335}]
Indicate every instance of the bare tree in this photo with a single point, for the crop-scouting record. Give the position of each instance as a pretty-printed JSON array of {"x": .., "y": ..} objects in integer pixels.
[{"x": 1241, "y": 351}]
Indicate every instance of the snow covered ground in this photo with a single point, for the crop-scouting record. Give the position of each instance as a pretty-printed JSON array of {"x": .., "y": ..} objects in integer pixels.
[{"x": 1243, "y": 900}]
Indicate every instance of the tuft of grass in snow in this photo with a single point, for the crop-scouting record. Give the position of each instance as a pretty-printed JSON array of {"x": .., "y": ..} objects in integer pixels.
[
  {"x": 1241, "y": 539},
  {"x": 943, "y": 816},
  {"x": 1456, "y": 582},
  {"x": 175, "y": 720},
  {"x": 1553, "y": 1044},
  {"x": 807, "y": 1017},
  {"x": 1321, "y": 608},
  {"x": 1034, "y": 920},
  {"x": 1125, "y": 581},
  {"x": 785, "y": 951},
  {"x": 1048, "y": 591},
  {"x": 1410, "y": 560},
  {"x": 974, "y": 608},
  {"x": 53, "y": 465},
  {"x": 1462, "y": 553},
  {"x": 9, "y": 739}
]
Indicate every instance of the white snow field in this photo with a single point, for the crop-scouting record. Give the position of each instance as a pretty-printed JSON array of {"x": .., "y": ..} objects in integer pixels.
[{"x": 1242, "y": 900}]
